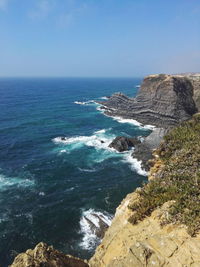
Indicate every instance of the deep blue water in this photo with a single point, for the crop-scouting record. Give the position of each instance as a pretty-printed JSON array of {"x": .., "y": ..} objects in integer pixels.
[{"x": 46, "y": 185}]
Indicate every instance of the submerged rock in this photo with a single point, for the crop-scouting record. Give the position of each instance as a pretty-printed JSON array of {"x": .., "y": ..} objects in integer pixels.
[
  {"x": 122, "y": 143},
  {"x": 46, "y": 256}
]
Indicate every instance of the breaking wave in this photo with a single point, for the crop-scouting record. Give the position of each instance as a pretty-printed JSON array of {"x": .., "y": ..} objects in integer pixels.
[
  {"x": 93, "y": 225},
  {"x": 134, "y": 122},
  {"x": 134, "y": 164},
  {"x": 84, "y": 103},
  {"x": 99, "y": 140}
]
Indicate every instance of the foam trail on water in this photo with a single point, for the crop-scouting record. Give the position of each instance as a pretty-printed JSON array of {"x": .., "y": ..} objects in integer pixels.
[
  {"x": 87, "y": 170},
  {"x": 6, "y": 182},
  {"x": 104, "y": 97},
  {"x": 99, "y": 140},
  {"x": 92, "y": 223},
  {"x": 134, "y": 122},
  {"x": 84, "y": 103}
]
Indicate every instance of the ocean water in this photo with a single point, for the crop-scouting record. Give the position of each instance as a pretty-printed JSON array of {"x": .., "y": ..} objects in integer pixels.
[{"x": 48, "y": 186}]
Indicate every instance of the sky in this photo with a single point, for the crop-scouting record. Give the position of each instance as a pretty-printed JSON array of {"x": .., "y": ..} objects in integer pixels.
[{"x": 98, "y": 38}]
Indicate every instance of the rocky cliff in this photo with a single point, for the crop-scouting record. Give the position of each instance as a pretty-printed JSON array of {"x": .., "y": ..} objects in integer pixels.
[
  {"x": 163, "y": 101},
  {"x": 158, "y": 225}
]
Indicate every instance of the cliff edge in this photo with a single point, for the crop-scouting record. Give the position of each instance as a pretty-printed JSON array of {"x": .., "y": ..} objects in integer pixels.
[{"x": 158, "y": 224}]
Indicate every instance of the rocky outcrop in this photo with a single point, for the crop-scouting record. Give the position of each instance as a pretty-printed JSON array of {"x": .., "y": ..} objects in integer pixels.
[
  {"x": 146, "y": 243},
  {"x": 159, "y": 224},
  {"x": 143, "y": 151},
  {"x": 163, "y": 101},
  {"x": 122, "y": 143},
  {"x": 43, "y": 255}
]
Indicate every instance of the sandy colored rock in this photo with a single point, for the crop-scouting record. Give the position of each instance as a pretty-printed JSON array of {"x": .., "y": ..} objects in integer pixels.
[
  {"x": 46, "y": 256},
  {"x": 146, "y": 243}
]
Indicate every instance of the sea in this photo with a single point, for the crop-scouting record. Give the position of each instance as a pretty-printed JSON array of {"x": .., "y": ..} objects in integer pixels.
[{"x": 49, "y": 185}]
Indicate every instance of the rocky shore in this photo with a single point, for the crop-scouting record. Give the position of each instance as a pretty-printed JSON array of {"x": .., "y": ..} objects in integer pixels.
[
  {"x": 150, "y": 227},
  {"x": 163, "y": 101}
]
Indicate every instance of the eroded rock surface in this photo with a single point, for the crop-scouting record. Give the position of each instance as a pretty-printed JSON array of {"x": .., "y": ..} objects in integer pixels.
[
  {"x": 146, "y": 243},
  {"x": 46, "y": 256}
]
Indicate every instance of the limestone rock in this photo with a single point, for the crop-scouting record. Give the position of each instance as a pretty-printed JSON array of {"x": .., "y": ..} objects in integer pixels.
[
  {"x": 146, "y": 243},
  {"x": 44, "y": 256}
]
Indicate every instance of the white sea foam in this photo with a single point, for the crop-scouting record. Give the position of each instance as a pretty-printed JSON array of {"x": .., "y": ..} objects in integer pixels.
[
  {"x": 84, "y": 103},
  {"x": 99, "y": 140},
  {"x": 6, "y": 182},
  {"x": 134, "y": 122},
  {"x": 88, "y": 223},
  {"x": 100, "y": 131},
  {"x": 104, "y": 97},
  {"x": 87, "y": 170},
  {"x": 134, "y": 164}
]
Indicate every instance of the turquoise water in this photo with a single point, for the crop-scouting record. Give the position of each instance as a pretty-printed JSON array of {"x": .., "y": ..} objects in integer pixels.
[{"x": 47, "y": 185}]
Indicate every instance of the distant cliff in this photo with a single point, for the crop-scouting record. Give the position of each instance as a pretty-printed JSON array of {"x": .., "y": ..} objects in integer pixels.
[{"x": 163, "y": 101}]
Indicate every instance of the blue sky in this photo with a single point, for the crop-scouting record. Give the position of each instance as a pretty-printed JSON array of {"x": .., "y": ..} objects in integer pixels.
[{"x": 99, "y": 38}]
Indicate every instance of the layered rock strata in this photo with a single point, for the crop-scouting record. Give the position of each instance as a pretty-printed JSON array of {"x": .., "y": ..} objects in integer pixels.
[{"x": 163, "y": 101}]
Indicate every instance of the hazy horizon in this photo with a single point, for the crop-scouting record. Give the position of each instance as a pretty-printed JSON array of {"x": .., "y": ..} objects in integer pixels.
[{"x": 98, "y": 39}]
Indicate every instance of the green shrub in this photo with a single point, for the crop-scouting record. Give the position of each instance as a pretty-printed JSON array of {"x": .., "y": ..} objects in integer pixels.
[{"x": 179, "y": 179}]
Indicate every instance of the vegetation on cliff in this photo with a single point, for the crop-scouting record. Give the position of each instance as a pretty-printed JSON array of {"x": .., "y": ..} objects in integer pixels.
[{"x": 177, "y": 178}]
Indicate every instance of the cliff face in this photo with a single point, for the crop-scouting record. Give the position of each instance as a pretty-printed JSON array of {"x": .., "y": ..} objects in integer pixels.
[
  {"x": 159, "y": 224},
  {"x": 146, "y": 243},
  {"x": 163, "y": 100},
  {"x": 195, "y": 80}
]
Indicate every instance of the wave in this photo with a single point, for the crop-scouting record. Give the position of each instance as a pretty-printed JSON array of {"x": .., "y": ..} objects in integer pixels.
[
  {"x": 6, "y": 182},
  {"x": 87, "y": 170},
  {"x": 99, "y": 140},
  {"x": 135, "y": 164},
  {"x": 93, "y": 224},
  {"x": 134, "y": 122},
  {"x": 84, "y": 103},
  {"x": 104, "y": 97}
]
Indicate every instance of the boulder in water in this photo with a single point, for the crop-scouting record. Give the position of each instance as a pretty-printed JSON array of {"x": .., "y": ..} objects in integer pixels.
[{"x": 122, "y": 143}]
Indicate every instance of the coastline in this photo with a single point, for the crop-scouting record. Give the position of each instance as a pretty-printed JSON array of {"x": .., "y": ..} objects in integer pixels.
[{"x": 117, "y": 243}]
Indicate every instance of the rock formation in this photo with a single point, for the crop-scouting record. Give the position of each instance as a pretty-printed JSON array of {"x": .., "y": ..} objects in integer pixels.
[
  {"x": 122, "y": 143},
  {"x": 195, "y": 80},
  {"x": 158, "y": 225},
  {"x": 147, "y": 243},
  {"x": 45, "y": 256},
  {"x": 163, "y": 101}
]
